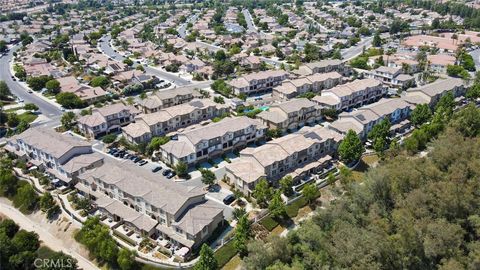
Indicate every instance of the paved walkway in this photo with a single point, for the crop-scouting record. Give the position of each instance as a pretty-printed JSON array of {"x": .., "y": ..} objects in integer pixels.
[{"x": 48, "y": 239}]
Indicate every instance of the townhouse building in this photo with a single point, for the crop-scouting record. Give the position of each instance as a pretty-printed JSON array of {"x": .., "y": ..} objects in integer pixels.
[
  {"x": 62, "y": 156},
  {"x": 431, "y": 93},
  {"x": 391, "y": 76},
  {"x": 364, "y": 119},
  {"x": 168, "y": 98},
  {"x": 351, "y": 95},
  {"x": 324, "y": 66},
  {"x": 291, "y": 115},
  {"x": 213, "y": 140},
  {"x": 152, "y": 207},
  {"x": 439, "y": 62},
  {"x": 171, "y": 119},
  {"x": 299, "y": 155},
  {"x": 311, "y": 83},
  {"x": 258, "y": 82},
  {"x": 106, "y": 120}
]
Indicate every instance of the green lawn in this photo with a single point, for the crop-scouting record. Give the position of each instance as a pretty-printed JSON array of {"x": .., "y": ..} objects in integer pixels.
[
  {"x": 225, "y": 253},
  {"x": 233, "y": 264},
  {"x": 28, "y": 117}
]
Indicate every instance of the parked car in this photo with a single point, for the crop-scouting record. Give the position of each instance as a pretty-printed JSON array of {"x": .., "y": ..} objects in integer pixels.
[
  {"x": 156, "y": 169},
  {"x": 142, "y": 162},
  {"x": 171, "y": 174},
  {"x": 137, "y": 159},
  {"x": 229, "y": 199},
  {"x": 132, "y": 157},
  {"x": 166, "y": 172}
]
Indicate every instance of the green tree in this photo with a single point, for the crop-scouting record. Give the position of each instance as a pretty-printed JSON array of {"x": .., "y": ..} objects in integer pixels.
[
  {"x": 26, "y": 198},
  {"x": 207, "y": 260},
  {"x": 100, "y": 81},
  {"x": 126, "y": 259},
  {"x": 420, "y": 115},
  {"x": 181, "y": 169},
  {"x": 309, "y": 192},
  {"x": 473, "y": 92},
  {"x": 8, "y": 227},
  {"x": 26, "y": 241},
  {"x": 30, "y": 107},
  {"x": 351, "y": 148},
  {"x": 53, "y": 86},
  {"x": 242, "y": 234},
  {"x": 276, "y": 205},
  {"x": 8, "y": 183},
  {"x": 262, "y": 193},
  {"x": 467, "y": 121},
  {"x": 67, "y": 262},
  {"x": 4, "y": 91},
  {"x": 377, "y": 41},
  {"x": 286, "y": 184},
  {"x": 68, "y": 120},
  {"x": 379, "y": 135},
  {"x": 46, "y": 201},
  {"x": 208, "y": 177},
  {"x": 69, "y": 100},
  {"x": 38, "y": 83},
  {"x": 12, "y": 119}
]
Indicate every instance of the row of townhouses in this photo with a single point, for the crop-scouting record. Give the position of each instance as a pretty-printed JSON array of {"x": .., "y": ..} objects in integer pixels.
[
  {"x": 351, "y": 95},
  {"x": 258, "y": 82},
  {"x": 324, "y": 66},
  {"x": 308, "y": 150},
  {"x": 168, "y": 98},
  {"x": 62, "y": 156},
  {"x": 311, "y": 83},
  {"x": 291, "y": 115},
  {"x": 171, "y": 119},
  {"x": 298, "y": 155},
  {"x": 105, "y": 120},
  {"x": 213, "y": 140},
  {"x": 151, "y": 206}
]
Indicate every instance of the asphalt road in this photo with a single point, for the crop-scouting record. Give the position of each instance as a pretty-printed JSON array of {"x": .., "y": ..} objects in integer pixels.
[
  {"x": 45, "y": 107},
  {"x": 250, "y": 24},
  {"x": 182, "y": 30},
  {"x": 356, "y": 50},
  {"x": 108, "y": 50}
]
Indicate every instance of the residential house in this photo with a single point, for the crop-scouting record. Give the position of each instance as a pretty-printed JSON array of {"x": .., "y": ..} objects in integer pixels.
[
  {"x": 311, "y": 83},
  {"x": 299, "y": 155},
  {"x": 154, "y": 208},
  {"x": 351, "y": 95},
  {"x": 213, "y": 140},
  {"x": 168, "y": 98},
  {"x": 171, "y": 119},
  {"x": 431, "y": 93},
  {"x": 106, "y": 120},
  {"x": 291, "y": 115},
  {"x": 258, "y": 82},
  {"x": 63, "y": 156}
]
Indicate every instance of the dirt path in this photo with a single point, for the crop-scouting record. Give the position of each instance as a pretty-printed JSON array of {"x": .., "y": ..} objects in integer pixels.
[{"x": 57, "y": 235}]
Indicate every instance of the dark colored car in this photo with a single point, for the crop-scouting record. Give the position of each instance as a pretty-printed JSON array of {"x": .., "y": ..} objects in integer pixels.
[
  {"x": 229, "y": 199},
  {"x": 171, "y": 174},
  {"x": 156, "y": 169},
  {"x": 166, "y": 172},
  {"x": 137, "y": 159}
]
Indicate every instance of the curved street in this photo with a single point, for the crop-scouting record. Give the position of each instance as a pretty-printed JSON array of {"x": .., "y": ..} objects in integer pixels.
[
  {"x": 105, "y": 47},
  {"x": 47, "y": 108}
]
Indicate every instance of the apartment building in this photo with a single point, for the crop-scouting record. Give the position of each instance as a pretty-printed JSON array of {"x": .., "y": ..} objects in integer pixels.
[
  {"x": 213, "y": 140},
  {"x": 431, "y": 93},
  {"x": 351, "y": 95},
  {"x": 63, "y": 156},
  {"x": 171, "y": 119},
  {"x": 298, "y": 154},
  {"x": 311, "y": 83},
  {"x": 323, "y": 66},
  {"x": 151, "y": 206},
  {"x": 258, "y": 82},
  {"x": 364, "y": 119},
  {"x": 106, "y": 120},
  {"x": 391, "y": 76},
  {"x": 168, "y": 98},
  {"x": 291, "y": 115}
]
